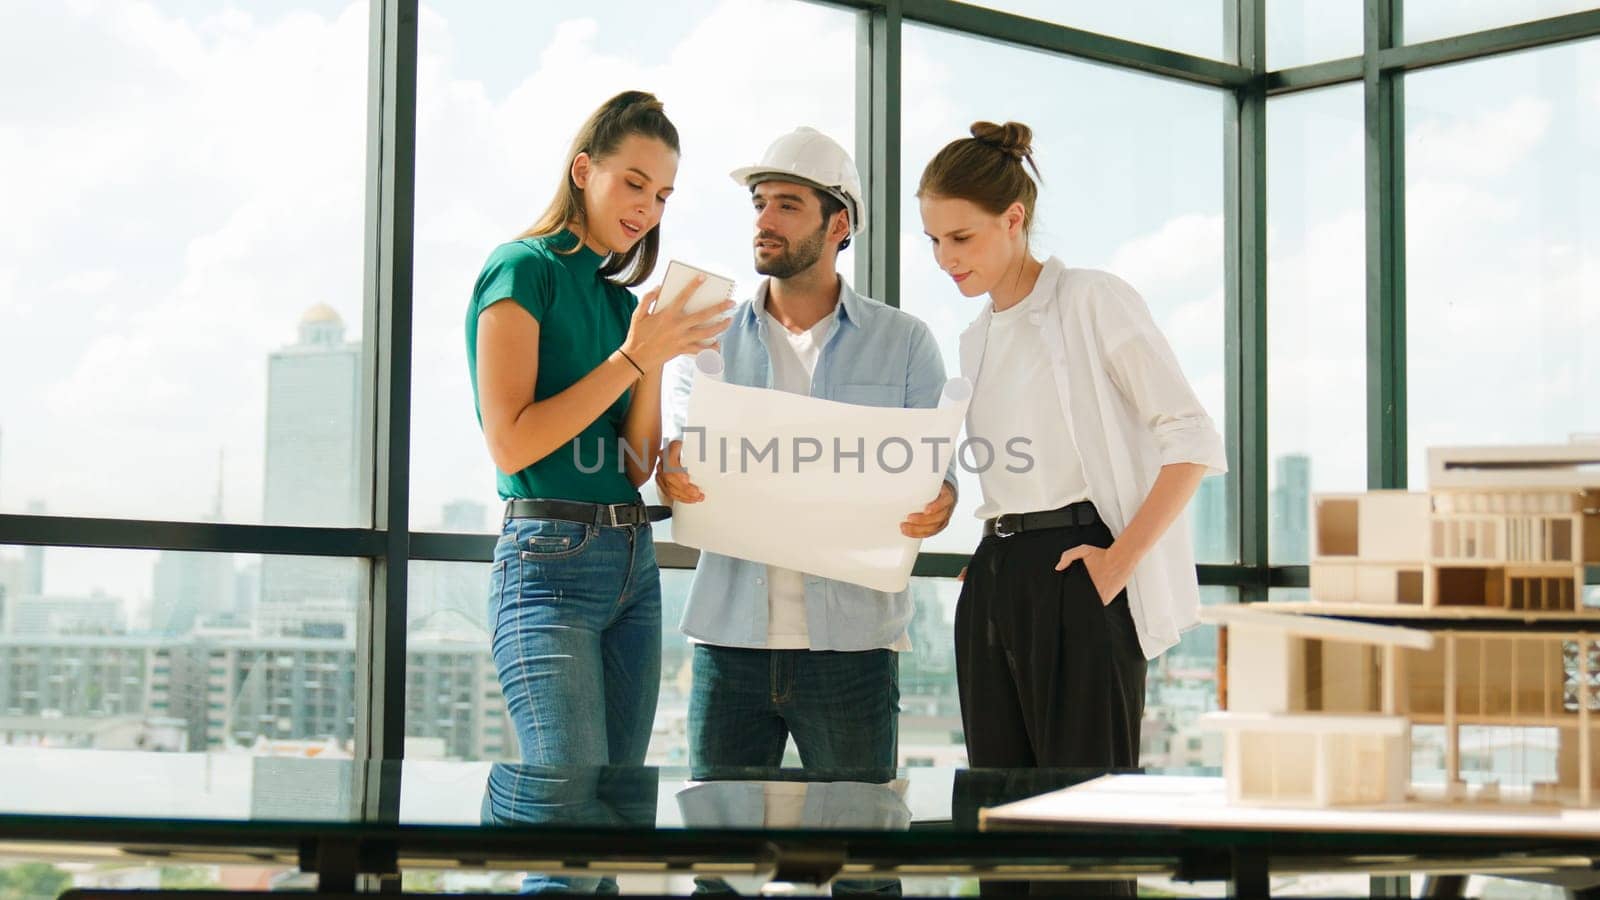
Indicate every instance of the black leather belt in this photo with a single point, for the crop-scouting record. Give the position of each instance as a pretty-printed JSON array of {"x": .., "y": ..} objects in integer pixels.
[
  {"x": 608, "y": 514},
  {"x": 1080, "y": 513}
]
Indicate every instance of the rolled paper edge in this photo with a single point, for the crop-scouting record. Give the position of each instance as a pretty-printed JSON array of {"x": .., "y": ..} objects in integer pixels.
[
  {"x": 957, "y": 391},
  {"x": 709, "y": 363}
]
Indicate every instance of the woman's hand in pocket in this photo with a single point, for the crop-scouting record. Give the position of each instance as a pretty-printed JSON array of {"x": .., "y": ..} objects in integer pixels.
[{"x": 1105, "y": 567}]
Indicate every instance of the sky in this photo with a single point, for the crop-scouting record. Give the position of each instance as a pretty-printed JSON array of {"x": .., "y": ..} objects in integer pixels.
[{"x": 184, "y": 180}]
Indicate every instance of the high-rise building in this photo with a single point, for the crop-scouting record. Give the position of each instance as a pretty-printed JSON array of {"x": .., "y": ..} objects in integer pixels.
[
  {"x": 54, "y": 676},
  {"x": 246, "y": 592},
  {"x": 313, "y": 467},
  {"x": 1289, "y": 540},
  {"x": 1208, "y": 518},
  {"x": 21, "y": 576},
  {"x": 450, "y": 599},
  {"x": 453, "y": 694},
  {"x": 33, "y": 558},
  {"x": 192, "y": 588},
  {"x": 42, "y": 616},
  {"x": 11, "y": 582},
  {"x": 465, "y": 515}
]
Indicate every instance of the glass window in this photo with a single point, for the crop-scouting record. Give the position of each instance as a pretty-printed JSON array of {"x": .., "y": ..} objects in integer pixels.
[
  {"x": 1427, "y": 20},
  {"x": 1133, "y": 180},
  {"x": 1503, "y": 251},
  {"x": 181, "y": 262},
  {"x": 1301, "y": 32},
  {"x": 1316, "y": 308},
  {"x": 1181, "y": 686},
  {"x": 448, "y": 637},
  {"x": 454, "y": 706},
  {"x": 1183, "y": 25},
  {"x": 454, "y": 709},
  {"x": 930, "y": 707},
  {"x": 255, "y": 652},
  {"x": 497, "y": 107}
]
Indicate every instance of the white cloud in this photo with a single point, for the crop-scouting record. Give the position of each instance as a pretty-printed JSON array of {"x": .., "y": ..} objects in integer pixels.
[
  {"x": 10, "y": 301},
  {"x": 1316, "y": 352},
  {"x": 1177, "y": 268},
  {"x": 1436, "y": 206},
  {"x": 94, "y": 281},
  {"x": 1186, "y": 250},
  {"x": 1483, "y": 145},
  {"x": 1498, "y": 322},
  {"x": 100, "y": 386},
  {"x": 486, "y": 168},
  {"x": 218, "y": 165}
]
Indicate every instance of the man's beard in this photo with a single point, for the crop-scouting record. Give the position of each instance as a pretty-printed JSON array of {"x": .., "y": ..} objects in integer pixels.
[{"x": 795, "y": 258}]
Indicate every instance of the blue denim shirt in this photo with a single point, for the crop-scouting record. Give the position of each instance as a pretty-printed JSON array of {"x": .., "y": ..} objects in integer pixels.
[{"x": 876, "y": 356}]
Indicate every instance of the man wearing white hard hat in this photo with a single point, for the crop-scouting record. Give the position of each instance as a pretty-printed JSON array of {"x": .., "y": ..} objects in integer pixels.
[{"x": 781, "y": 653}]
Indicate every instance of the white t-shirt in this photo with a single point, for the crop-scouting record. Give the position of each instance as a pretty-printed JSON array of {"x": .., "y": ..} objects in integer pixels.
[
  {"x": 1015, "y": 397},
  {"x": 794, "y": 361},
  {"x": 1130, "y": 411}
]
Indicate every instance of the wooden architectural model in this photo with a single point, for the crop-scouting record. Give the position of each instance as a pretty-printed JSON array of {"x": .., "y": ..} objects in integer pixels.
[
  {"x": 1462, "y": 606},
  {"x": 1313, "y": 709},
  {"x": 1500, "y": 528}
]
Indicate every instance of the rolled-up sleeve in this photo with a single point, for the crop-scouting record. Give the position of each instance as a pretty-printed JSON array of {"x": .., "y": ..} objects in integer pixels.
[{"x": 1142, "y": 365}]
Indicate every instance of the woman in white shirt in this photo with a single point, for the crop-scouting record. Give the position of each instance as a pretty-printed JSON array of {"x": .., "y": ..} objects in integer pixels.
[{"x": 1098, "y": 442}]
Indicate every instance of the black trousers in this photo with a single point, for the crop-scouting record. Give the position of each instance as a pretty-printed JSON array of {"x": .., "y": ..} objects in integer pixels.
[{"x": 1049, "y": 676}]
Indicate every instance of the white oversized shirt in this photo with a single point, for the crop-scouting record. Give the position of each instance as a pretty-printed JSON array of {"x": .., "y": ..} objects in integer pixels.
[{"x": 1130, "y": 411}]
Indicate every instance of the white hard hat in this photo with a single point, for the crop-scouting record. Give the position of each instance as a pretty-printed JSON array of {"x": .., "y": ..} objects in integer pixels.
[{"x": 808, "y": 156}]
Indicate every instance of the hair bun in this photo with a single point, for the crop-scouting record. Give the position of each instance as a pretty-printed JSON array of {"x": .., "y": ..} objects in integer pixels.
[
  {"x": 1013, "y": 138},
  {"x": 628, "y": 101}
]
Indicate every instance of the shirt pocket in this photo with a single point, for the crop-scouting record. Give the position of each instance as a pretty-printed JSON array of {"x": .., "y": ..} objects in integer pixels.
[{"x": 892, "y": 395}]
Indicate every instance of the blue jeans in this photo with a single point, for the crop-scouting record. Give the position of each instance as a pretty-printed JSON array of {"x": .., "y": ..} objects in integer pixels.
[
  {"x": 576, "y": 615},
  {"x": 569, "y": 797},
  {"x": 842, "y": 708}
]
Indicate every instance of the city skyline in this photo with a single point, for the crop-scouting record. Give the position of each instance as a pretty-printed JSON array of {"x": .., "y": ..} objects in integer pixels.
[
  {"x": 217, "y": 243},
  {"x": 223, "y": 666}
]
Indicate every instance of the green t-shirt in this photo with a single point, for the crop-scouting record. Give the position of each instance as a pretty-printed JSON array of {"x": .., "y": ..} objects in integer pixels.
[{"x": 583, "y": 319}]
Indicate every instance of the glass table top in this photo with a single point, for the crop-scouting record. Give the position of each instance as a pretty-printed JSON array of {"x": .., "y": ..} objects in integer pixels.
[
  {"x": 240, "y": 787},
  {"x": 782, "y": 824}
]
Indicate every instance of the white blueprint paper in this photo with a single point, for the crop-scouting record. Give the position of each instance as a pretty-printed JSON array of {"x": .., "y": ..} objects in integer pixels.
[{"x": 750, "y": 451}]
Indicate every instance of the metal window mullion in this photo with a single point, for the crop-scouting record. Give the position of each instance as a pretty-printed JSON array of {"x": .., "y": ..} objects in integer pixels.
[
  {"x": 1399, "y": 56},
  {"x": 391, "y": 178},
  {"x": 1315, "y": 75},
  {"x": 878, "y": 149},
  {"x": 1446, "y": 51},
  {"x": 1050, "y": 37},
  {"x": 863, "y": 148},
  {"x": 1384, "y": 191},
  {"x": 1246, "y": 310},
  {"x": 202, "y": 537}
]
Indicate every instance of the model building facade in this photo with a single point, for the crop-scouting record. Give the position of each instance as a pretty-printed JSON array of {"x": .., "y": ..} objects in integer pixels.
[
  {"x": 1500, "y": 528},
  {"x": 1462, "y": 606}
]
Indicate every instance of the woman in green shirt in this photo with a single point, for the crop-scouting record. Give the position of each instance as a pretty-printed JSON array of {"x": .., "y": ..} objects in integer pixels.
[{"x": 566, "y": 372}]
